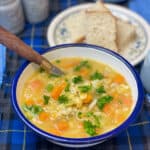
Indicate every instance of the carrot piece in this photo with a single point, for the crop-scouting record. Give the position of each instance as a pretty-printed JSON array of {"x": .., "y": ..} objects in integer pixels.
[
  {"x": 118, "y": 79},
  {"x": 88, "y": 98},
  {"x": 84, "y": 72},
  {"x": 119, "y": 118},
  {"x": 115, "y": 95},
  {"x": 36, "y": 85},
  {"x": 80, "y": 125},
  {"x": 62, "y": 125},
  {"x": 107, "y": 109},
  {"x": 69, "y": 64},
  {"x": 57, "y": 90},
  {"x": 127, "y": 101},
  {"x": 43, "y": 116},
  {"x": 39, "y": 102},
  {"x": 29, "y": 102},
  {"x": 55, "y": 131}
]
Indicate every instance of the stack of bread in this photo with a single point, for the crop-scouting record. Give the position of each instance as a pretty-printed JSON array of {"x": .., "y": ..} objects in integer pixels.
[{"x": 97, "y": 25}]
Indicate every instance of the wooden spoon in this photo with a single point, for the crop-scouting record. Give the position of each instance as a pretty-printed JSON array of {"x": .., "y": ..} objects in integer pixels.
[{"x": 12, "y": 42}]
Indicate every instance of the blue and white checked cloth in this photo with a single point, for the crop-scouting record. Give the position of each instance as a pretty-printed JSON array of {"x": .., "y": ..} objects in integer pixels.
[{"x": 14, "y": 135}]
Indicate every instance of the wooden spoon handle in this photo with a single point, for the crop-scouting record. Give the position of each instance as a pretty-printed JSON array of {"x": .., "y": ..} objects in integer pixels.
[{"x": 14, "y": 43}]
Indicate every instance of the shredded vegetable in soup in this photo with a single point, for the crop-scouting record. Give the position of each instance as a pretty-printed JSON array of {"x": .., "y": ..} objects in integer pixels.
[{"x": 90, "y": 99}]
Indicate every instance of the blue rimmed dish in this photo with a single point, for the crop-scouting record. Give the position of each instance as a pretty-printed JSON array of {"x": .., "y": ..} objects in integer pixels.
[
  {"x": 92, "y": 52},
  {"x": 59, "y": 32}
]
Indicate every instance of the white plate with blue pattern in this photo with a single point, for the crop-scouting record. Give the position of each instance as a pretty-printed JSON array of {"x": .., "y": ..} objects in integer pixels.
[{"x": 58, "y": 33}]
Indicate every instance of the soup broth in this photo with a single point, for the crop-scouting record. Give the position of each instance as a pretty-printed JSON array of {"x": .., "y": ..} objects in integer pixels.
[{"x": 90, "y": 99}]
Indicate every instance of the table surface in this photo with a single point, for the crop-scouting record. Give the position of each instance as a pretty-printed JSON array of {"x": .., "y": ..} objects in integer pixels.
[{"x": 16, "y": 136}]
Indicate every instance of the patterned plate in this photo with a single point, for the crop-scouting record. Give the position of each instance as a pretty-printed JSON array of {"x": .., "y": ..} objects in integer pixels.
[{"x": 58, "y": 32}]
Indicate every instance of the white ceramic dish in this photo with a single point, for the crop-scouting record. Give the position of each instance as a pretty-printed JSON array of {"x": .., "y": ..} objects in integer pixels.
[
  {"x": 92, "y": 52},
  {"x": 58, "y": 33}
]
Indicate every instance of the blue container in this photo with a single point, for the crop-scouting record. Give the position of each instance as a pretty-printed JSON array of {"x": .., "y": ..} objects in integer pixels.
[
  {"x": 2, "y": 62},
  {"x": 145, "y": 73}
]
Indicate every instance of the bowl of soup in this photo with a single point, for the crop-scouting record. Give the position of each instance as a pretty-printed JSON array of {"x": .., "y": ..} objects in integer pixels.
[{"x": 99, "y": 95}]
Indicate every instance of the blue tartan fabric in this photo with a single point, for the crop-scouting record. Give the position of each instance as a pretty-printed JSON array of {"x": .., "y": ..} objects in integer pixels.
[{"x": 14, "y": 135}]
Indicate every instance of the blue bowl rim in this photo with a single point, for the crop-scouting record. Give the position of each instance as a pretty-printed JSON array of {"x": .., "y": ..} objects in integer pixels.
[{"x": 89, "y": 139}]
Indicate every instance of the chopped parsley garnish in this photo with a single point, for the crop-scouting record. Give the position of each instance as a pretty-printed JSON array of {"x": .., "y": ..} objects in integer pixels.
[
  {"x": 49, "y": 87},
  {"x": 96, "y": 76},
  {"x": 67, "y": 89},
  {"x": 41, "y": 70},
  {"x": 80, "y": 114},
  {"x": 77, "y": 79},
  {"x": 82, "y": 64},
  {"x": 85, "y": 88},
  {"x": 26, "y": 108},
  {"x": 57, "y": 61},
  {"x": 89, "y": 114},
  {"x": 46, "y": 99},
  {"x": 97, "y": 122},
  {"x": 96, "y": 118},
  {"x": 35, "y": 109},
  {"x": 89, "y": 128},
  {"x": 66, "y": 79},
  {"x": 63, "y": 99},
  {"x": 53, "y": 76},
  {"x": 103, "y": 101},
  {"x": 100, "y": 90}
]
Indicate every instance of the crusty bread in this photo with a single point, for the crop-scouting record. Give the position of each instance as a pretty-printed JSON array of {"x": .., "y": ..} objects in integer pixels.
[
  {"x": 97, "y": 28},
  {"x": 78, "y": 35},
  {"x": 75, "y": 24},
  {"x": 98, "y": 6},
  {"x": 101, "y": 29},
  {"x": 80, "y": 39},
  {"x": 96, "y": 25},
  {"x": 126, "y": 34}
]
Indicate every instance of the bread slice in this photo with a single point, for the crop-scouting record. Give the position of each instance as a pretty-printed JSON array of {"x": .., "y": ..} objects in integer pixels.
[
  {"x": 78, "y": 34},
  {"x": 101, "y": 29},
  {"x": 80, "y": 39},
  {"x": 98, "y": 6},
  {"x": 75, "y": 24},
  {"x": 126, "y": 34},
  {"x": 97, "y": 25}
]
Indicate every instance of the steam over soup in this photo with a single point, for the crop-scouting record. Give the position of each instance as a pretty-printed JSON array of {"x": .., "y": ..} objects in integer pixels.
[{"x": 90, "y": 99}]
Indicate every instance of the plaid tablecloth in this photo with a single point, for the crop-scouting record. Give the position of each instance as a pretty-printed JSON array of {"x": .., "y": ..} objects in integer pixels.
[{"x": 16, "y": 136}]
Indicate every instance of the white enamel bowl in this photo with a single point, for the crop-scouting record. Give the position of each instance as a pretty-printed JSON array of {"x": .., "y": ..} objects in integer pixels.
[{"x": 87, "y": 51}]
